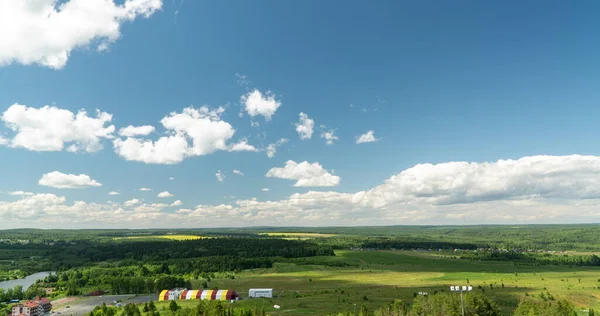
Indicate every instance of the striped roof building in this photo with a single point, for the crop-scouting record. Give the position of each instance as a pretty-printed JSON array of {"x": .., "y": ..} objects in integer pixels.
[{"x": 184, "y": 294}]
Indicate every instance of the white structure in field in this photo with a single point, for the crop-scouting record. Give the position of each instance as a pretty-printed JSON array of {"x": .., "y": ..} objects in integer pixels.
[{"x": 260, "y": 293}]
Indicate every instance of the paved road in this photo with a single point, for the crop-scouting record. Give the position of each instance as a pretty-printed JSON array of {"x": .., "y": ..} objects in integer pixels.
[
  {"x": 141, "y": 299},
  {"x": 87, "y": 304}
]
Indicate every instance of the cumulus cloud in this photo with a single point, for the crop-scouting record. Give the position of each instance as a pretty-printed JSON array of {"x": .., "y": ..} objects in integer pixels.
[
  {"x": 305, "y": 126},
  {"x": 242, "y": 146},
  {"x": 113, "y": 193},
  {"x": 166, "y": 150},
  {"x": 549, "y": 177},
  {"x": 132, "y": 202},
  {"x": 4, "y": 141},
  {"x": 256, "y": 103},
  {"x": 132, "y": 131},
  {"x": 176, "y": 203},
  {"x": 536, "y": 189},
  {"x": 239, "y": 173},
  {"x": 220, "y": 176},
  {"x": 164, "y": 194},
  {"x": 21, "y": 193},
  {"x": 145, "y": 189},
  {"x": 329, "y": 137},
  {"x": 272, "y": 148},
  {"x": 367, "y": 137},
  {"x": 45, "y": 32},
  {"x": 50, "y": 128},
  {"x": 193, "y": 132},
  {"x": 306, "y": 174},
  {"x": 59, "y": 180},
  {"x": 265, "y": 189}
]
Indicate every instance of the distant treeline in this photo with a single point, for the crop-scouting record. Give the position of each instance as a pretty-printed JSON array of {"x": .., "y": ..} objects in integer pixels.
[
  {"x": 410, "y": 245},
  {"x": 580, "y": 237},
  {"x": 234, "y": 249},
  {"x": 534, "y": 258}
]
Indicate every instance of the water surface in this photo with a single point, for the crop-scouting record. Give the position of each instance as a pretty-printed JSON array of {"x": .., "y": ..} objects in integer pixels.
[{"x": 26, "y": 282}]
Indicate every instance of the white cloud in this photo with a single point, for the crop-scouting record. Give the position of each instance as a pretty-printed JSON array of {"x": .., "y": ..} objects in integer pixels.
[
  {"x": 329, "y": 137},
  {"x": 45, "y": 32},
  {"x": 272, "y": 148},
  {"x": 166, "y": 150},
  {"x": 265, "y": 189},
  {"x": 59, "y": 180},
  {"x": 164, "y": 194},
  {"x": 4, "y": 141},
  {"x": 239, "y": 173},
  {"x": 132, "y": 131},
  {"x": 50, "y": 128},
  {"x": 550, "y": 177},
  {"x": 145, "y": 189},
  {"x": 21, "y": 193},
  {"x": 367, "y": 137},
  {"x": 255, "y": 103},
  {"x": 242, "y": 146},
  {"x": 171, "y": 178},
  {"x": 220, "y": 176},
  {"x": 307, "y": 174},
  {"x": 537, "y": 189},
  {"x": 132, "y": 202},
  {"x": 254, "y": 124},
  {"x": 193, "y": 132},
  {"x": 305, "y": 126},
  {"x": 113, "y": 193},
  {"x": 176, "y": 203}
]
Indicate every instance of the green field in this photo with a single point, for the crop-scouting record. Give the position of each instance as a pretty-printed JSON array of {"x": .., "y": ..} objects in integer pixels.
[
  {"x": 169, "y": 237},
  {"x": 383, "y": 276}
]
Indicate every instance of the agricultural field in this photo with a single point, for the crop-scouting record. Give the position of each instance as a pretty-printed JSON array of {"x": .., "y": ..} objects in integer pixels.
[
  {"x": 378, "y": 277},
  {"x": 169, "y": 237}
]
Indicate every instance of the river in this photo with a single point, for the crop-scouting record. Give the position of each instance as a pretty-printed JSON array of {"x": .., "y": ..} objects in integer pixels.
[{"x": 26, "y": 282}]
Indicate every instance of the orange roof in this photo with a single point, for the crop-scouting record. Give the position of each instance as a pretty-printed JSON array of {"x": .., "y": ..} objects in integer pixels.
[{"x": 31, "y": 304}]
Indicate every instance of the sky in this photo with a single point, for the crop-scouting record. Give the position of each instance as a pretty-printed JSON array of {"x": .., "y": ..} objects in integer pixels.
[{"x": 173, "y": 113}]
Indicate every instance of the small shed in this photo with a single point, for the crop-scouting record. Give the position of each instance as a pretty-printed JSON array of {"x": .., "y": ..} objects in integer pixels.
[{"x": 260, "y": 293}]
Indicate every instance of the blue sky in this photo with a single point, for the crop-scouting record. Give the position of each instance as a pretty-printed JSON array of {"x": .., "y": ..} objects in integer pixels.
[{"x": 435, "y": 82}]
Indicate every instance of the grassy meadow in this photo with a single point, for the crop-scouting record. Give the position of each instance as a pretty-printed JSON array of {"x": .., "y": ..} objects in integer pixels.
[{"x": 382, "y": 276}]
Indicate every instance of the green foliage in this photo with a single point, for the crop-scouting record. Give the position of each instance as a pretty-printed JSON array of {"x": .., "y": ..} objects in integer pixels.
[
  {"x": 450, "y": 304},
  {"x": 396, "y": 308},
  {"x": 529, "y": 306},
  {"x": 173, "y": 306}
]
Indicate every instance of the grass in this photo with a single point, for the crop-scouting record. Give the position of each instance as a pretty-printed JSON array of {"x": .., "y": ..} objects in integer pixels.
[
  {"x": 382, "y": 276},
  {"x": 169, "y": 237}
]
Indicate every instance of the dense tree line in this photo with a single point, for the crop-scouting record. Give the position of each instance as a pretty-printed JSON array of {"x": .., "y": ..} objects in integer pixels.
[
  {"x": 401, "y": 244},
  {"x": 203, "y": 308},
  {"x": 155, "y": 251},
  {"x": 534, "y": 258}
]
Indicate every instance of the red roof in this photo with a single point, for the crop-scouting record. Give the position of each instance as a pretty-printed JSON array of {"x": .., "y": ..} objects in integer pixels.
[{"x": 31, "y": 304}]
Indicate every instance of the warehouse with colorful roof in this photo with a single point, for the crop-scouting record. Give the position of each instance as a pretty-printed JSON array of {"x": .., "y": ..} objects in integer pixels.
[{"x": 185, "y": 294}]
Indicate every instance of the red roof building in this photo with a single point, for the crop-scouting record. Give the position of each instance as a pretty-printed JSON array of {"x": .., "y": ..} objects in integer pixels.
[{"x": 37, "y": 307}]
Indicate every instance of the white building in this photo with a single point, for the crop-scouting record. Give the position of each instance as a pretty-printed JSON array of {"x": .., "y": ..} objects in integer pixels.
[{"x": 260, "y": 293}]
